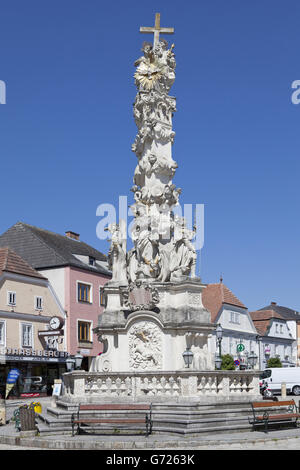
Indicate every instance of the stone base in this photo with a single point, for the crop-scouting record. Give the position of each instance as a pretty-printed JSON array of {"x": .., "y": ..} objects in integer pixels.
[
  {"x": 192, "y": 387},
  {"x": 155, "y": 339}
]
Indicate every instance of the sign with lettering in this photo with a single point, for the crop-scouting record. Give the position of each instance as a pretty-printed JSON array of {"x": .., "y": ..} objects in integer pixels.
[{"x": 20, "y": 354}]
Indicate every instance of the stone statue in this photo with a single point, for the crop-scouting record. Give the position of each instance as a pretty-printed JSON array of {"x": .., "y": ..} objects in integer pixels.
[
  {"x": 155, "y": 255},
  {"x": 117, "y": 254},
  {"x": 184, "y": 259}
]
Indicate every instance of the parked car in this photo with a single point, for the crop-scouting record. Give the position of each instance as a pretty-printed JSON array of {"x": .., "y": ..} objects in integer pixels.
[{"x": 273, "y": 378}]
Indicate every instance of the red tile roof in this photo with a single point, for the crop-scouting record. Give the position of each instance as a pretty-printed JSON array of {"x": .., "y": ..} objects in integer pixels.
[
  {"x": 215, "y": 295},
  {"x": 11, "y": 262},
  {"x": 262, "y": 318}
]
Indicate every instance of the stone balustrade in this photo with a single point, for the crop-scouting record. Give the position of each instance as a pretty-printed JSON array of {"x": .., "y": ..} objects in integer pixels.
[{"x": 210, "y": 386}]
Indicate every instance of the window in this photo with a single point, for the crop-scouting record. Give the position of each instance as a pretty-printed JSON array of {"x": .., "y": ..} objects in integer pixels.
[
  {"x": 92, "y": 261},
  {"x": 84, "y": 292},
  {"x": 102, "y": 296},
  {"x": 38, "y": 303},
  {"x": 11, "y": 298},
  {"x": 2, "y": 333},
  {"x": 26, "y": 335},
  {"x": 84, "y": 331},
  {"x": 234, "y": 317}
]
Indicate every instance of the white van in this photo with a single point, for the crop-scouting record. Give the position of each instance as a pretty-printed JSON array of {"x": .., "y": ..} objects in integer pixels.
[{"x": 274, "y": 377}]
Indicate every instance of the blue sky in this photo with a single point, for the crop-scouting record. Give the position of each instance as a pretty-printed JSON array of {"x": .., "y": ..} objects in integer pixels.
[{"x": 67, "y": 126}]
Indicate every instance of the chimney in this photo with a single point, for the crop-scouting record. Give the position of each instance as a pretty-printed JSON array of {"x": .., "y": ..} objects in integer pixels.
[
  {"x": 273, "y": 303},
  {"x": 73, "y": 235}
]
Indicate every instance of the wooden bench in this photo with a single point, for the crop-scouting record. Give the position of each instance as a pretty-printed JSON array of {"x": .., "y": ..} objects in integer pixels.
[
  {"x": 274, "y": 412},
  {"x": 118, "y": 416}
]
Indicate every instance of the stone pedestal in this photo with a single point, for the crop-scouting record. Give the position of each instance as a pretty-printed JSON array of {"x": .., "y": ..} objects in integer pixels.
[{"x": 154, "y": 340}]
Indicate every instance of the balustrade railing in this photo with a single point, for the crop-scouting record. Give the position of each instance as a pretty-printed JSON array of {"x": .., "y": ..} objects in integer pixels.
[{"x": 180, "y": 384}]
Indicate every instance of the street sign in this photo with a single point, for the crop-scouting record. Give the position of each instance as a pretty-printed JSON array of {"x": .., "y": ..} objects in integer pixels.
[
  {"x": 240, "y": 347},
  {"x": 236, "y": 363}
]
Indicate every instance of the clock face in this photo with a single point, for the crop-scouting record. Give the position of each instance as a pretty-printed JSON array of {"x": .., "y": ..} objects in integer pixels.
[{"x": 54, "y": 323}]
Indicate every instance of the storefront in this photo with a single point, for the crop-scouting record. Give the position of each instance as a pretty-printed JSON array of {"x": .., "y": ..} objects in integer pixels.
[{"x": 38, "y": 369}]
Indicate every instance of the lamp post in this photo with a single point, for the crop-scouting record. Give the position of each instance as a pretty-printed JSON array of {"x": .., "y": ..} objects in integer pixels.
[
  {"x": 259, "y": 340},
  {"x": 218, "y": 362},
  {"x": 219, "y": 335},
  {"x": 187, "y": 357},
  {"x": 267, "y": 354}
]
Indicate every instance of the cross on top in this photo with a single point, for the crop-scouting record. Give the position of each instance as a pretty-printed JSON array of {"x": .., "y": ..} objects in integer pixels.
[{"x": 156, "y": 29}]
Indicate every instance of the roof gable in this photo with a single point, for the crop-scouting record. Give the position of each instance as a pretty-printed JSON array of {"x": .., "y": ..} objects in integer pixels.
[
  {"x": 44, "y": 249},
  {"x": 263, "y": 319},
  {"x": 285, "y": 312},
  {"x": 214, "y": 296},
  {"x": 13, "y": 263}
]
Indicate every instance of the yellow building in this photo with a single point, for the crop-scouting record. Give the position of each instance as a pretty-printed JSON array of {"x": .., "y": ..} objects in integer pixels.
[{"x": 31, "y": 327}]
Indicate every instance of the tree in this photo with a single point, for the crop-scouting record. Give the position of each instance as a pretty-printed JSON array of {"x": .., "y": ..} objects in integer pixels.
[
  {"x": 227, "y": 362},
  {"x": 274, "y": 362}
]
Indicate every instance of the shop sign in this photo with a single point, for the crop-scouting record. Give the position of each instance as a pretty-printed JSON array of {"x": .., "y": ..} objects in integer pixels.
[
  {"x": 51, "y": 333},
  {"x": 85, "y": 352},
  {"x": 33, "y": 354}
]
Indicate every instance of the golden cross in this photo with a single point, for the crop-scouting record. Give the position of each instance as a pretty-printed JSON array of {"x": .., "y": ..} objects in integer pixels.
[{"x": 156, "y": 30}]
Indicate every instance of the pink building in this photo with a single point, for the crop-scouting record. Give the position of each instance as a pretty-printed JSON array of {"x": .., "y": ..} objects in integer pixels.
[{"x": 76, "y": 271}]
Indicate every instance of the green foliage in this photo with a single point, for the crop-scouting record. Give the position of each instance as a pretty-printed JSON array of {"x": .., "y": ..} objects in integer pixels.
[
  {"x": 274, "y": 362},
  {"x": 227, "y": 362}
]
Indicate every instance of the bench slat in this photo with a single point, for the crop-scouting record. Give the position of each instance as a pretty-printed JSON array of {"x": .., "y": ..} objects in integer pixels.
[
  {"x": 286, "y": 416},
  {"x": 108, "y": 420},
  {"x": 138, "y": 408},
  {"x": 114, "y": 407},
  {"x": 267, "y": 404}
]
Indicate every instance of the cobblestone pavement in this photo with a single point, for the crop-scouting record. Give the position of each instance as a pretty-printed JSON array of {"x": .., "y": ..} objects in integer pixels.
[
  {"x": 276, "y": 444},
  {"x": 9, "y": 447}
]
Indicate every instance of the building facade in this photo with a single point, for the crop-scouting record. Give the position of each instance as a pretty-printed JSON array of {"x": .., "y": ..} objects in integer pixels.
[
  {"x": 76, "y": 271},
  {"x": 278, "y": 329},
  {"x": 27, "y": 341},
  {"x": 239, "y": 335}
]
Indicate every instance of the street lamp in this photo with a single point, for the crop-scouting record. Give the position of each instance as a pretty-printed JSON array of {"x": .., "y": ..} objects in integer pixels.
[
  {"x": 187, "y": 357},
  {"x": 70, "y": 363},
  {"x": 252, "y": 359},
  {"x": 78, "y": 360},
  {"x": 219, "y": 335}
]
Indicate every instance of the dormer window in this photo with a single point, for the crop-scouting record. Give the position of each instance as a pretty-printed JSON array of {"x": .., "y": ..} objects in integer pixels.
[
  {"x": 92, "y": 261},
  {"x": 38, "y": 303},
  {"x": 11, "y": 298}
]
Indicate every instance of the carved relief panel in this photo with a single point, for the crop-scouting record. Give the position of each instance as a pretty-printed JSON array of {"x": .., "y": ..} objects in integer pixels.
[{"x": 145, "y": 346}]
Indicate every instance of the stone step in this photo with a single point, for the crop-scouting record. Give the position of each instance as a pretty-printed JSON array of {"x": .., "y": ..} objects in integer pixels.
[
  {"x": 167, "y": 417},
  {"x": 203, "y": 430},
  {"x": 170, "y": 422}
]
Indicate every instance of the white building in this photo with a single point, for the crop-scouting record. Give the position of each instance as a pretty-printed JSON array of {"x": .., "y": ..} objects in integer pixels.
[
  {"x": 239, "y": 335},
  {"x": 277, "y": 327}
]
